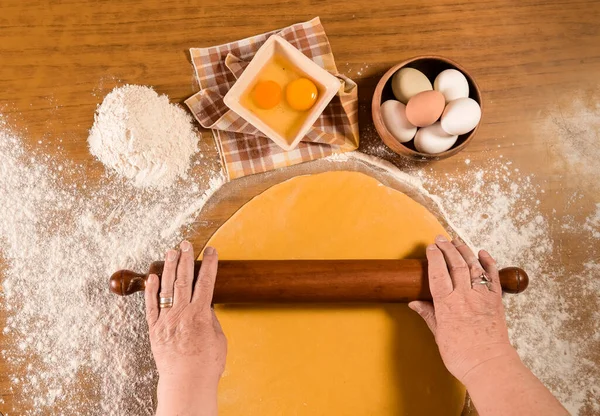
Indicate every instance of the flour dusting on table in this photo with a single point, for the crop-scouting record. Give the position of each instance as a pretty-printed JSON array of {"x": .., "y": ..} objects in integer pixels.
[
  {"x": 497, "y": 207},
  {"x": 500, "y": 213},
  {"x": 571, "y": 129},
  {"x": 61, "y": 241}
]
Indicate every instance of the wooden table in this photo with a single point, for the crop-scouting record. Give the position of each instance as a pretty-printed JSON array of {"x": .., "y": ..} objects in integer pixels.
[{"x": 537, "y": 63}]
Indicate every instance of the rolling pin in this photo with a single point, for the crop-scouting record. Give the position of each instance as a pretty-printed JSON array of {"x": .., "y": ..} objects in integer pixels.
[{"x": 309, "y": 281}]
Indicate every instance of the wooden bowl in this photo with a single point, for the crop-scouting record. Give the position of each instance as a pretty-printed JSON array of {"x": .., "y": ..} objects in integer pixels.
[{"x": 431, "y": 66}]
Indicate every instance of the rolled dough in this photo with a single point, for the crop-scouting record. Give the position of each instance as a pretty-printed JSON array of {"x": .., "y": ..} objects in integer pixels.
[{"x": 331, "y": 359}]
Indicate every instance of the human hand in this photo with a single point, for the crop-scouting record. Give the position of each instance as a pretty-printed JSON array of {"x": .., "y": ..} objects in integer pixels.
[
  {"x": 187, "y": 341},
  {"x": 467, "y": 319}
]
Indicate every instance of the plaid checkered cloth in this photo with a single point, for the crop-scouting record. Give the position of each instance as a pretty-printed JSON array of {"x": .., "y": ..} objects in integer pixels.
[{"x": 245, "y": 150}]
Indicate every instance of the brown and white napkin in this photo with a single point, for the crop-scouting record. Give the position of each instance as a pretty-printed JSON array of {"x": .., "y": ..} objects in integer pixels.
[{"x": 243, "y": 149}]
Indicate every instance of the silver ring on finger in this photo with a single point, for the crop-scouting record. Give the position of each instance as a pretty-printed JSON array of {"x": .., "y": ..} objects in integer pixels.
[
  {"x": 165, "y": 302},
  {"x": 482, "y": 279}
]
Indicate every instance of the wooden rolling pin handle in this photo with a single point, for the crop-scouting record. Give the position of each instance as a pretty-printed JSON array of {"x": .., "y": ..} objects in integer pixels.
[{"x": 296, "y": 281}]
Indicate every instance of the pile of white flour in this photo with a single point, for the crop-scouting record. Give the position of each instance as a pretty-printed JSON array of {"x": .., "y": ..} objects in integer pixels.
[{"x": 143, "y": 137}]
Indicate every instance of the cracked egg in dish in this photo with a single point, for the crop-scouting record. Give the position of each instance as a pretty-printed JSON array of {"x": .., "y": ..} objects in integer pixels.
[{"x": 282, "y": 92}]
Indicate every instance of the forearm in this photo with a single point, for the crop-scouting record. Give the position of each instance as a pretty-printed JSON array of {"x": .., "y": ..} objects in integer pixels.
[
  {"x": 504, "y": 386},
  {"x": 177, "y": 398}
]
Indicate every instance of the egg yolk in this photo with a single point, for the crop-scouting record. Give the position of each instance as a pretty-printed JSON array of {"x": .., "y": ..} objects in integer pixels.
[
  {"x": 301, "y": 94},
  {"x": 266, "y": 94}
]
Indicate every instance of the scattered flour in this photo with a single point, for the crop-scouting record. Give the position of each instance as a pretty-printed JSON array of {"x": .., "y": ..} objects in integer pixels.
[
  {"x": 355, "y": 70},
  {"x": 571, "y": 130},
  {"x": 61, "y": 241},
  {"x": 555, "y": 324},
  {"x": 143, "y": 137},
  {"x": 65, "y": 332},
  {"x": 592, "y": 223}
]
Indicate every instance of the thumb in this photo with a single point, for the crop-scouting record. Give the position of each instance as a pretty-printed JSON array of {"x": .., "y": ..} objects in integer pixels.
[{"x": 426, "y": 311}]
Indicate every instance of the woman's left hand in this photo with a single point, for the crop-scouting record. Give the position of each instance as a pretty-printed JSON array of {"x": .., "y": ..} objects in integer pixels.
[
  {"x": 466, "y": 317},
  {"x": 187, "y": 341}
]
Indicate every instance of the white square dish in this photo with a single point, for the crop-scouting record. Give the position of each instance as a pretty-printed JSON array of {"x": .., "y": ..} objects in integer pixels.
[{"x": 327, "y": 86}]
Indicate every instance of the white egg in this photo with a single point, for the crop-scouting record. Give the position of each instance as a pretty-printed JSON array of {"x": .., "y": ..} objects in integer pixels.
[
  {"x": 433, "y": 139},
  {"x": 452, "y": 84},
  {"x": 393, "y": 114},
  {"x": 408, "y": 82},
  {"x": 461, "y": 116}
]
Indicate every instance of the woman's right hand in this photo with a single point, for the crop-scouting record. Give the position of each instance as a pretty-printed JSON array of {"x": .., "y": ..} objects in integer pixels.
[{"x": 466, "y": 318}]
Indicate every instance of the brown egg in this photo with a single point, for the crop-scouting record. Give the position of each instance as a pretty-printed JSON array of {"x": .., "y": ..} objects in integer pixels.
[{"x": 425, "y": 108}]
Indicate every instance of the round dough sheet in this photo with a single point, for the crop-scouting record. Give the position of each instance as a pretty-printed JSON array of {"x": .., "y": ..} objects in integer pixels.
[{"x": 331, "y": 359}]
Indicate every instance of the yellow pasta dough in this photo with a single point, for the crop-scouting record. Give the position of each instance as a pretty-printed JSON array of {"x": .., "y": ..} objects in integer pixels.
[{"x": 331, "y": 359}]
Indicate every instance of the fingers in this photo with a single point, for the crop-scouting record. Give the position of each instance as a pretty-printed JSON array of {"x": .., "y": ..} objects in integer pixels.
[
  {"x": 475, "y": 269},
  {"x": 440, "y": 284},
  {"x": 205, "y": 285},
  {"x": 457, "y": 266},
  {"x": 185, "y": 276},
  {"x": 426, "y": 311},
  {"x": 489, "y": 264},
  {"x": 151, "y": 297},
  {"x": 168, "y": 276}
]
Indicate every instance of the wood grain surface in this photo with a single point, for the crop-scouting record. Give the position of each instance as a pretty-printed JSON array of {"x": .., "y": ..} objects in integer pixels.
[{"x": 536, "y": 62}]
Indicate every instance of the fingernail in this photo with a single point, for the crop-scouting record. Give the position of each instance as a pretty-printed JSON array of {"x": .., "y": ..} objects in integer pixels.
[
  {"x": 152, "y": 279},
  {"x": 185, "y": 246},
  {"x": 432, "y": 247},
  {"x": 171, "y": 255},
  {"x": 209, "y": 251},
  {"x": 441, "y": 239}
]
